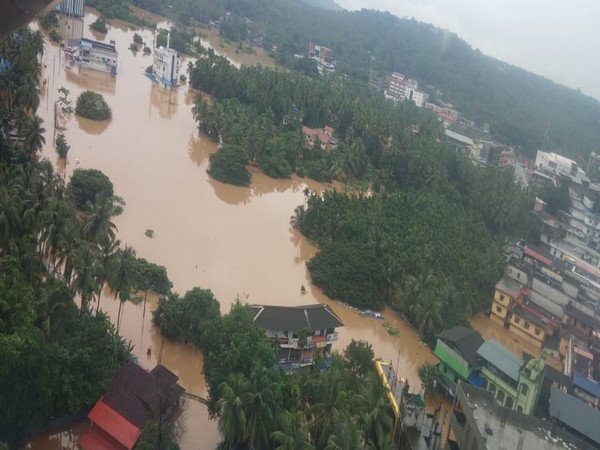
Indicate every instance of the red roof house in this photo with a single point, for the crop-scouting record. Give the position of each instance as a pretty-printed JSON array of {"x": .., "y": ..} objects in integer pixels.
[{"x": 133, "y": 397}]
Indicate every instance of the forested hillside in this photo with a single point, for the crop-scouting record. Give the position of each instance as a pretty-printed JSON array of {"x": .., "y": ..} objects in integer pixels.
[{"x": 518, "y": 105}]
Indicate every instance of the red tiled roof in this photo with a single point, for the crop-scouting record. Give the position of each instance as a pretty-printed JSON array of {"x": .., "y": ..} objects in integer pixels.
[
  {"x": 97, "y": 439},
  {"x": 114, "y": 424},
  {"x": 447, "y": 117},
  {"x": 537, "y": 256},
  {"x": 136, "y": 393}
]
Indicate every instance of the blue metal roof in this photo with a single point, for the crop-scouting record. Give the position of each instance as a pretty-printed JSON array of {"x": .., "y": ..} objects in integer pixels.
[
  {"x": 587, "y": 384},
  {"x": 501, "y": 357},
  {"x": 575, "y": 413}
]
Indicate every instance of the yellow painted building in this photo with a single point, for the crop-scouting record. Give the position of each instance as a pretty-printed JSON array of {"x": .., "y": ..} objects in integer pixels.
[
  {"x": 506, "y": 293},
  {"x": 527, "y": 326}
]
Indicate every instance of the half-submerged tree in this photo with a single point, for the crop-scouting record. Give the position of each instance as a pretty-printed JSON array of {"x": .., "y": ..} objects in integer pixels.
[{"x": 92, "y": 105}]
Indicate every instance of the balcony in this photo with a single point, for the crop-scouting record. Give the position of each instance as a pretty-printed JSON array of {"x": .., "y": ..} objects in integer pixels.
[{"x": 332, "y": 337}]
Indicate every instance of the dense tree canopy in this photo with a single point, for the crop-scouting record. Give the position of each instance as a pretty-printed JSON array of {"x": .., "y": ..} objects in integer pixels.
[
  {"x": 519, "y": 106},
  {"x": 341, "y": 405},
  {"x": 88, "y": 184},
  {"x": 92, "y": 105},
  {"x": 57, "y": 245}
]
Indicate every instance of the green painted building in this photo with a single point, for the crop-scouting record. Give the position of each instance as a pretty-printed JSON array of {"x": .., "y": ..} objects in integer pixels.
[
  {"x": 456, "y": 348},
  {"x": 514, "y": 383}
]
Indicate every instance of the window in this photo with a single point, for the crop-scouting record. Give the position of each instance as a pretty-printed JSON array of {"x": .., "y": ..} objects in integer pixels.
[
  {"x": 519, "y": 409},
  {"x": 524, "y": 389},
  {"x": 517, "y": 320},
  {"x": 509, "y": 402},
  {"x": 500, "y": 397},
  {"x": 502, "y": 297},
  {"x": 498, "y": 309},
  {"x": 492, "y": 388},
  {"x": 484, "y": 384},
  {"x": 537, "y": 332},
  {"x": 526, "y": 325}
]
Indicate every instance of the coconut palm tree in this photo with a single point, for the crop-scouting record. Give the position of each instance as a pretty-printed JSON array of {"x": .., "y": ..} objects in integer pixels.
[
  {"x": 373, "y": 409},
  {"x": 293, "y": 432},
  {"x": 97, "y": 226},
  {"x": 329, "y": 405},
  {"x": 122, "y": 277},
  {"x": 259, "y": 407},
  {"x": 107, "y": 252},
  {"x": 28, "y": 94},
  {"x": 86, "y": 268},
  {"x": 33, "y": 135},
  {"x": 10, "y": 215},
  {"x": 232, "y": 417}
]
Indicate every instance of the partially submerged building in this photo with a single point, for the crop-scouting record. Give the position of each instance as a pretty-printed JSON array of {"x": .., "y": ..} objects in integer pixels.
[
  {"x": 93, "y": 55},
  {"x": 134, "y": 397},
  {"x": 303, "y": 332},
  {"x": 456, "y": 348},
  {"x": 166, "y": 64},
  {"x": 514, "y": 382}
]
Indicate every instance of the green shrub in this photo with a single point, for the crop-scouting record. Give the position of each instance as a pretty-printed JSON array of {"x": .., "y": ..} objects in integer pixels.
[
  {"x": 229, "y": 166},
  {"x": 99, "y": 25},
  {"x": 91, "y": 105},
  {"x": 55, "y": 36},
  {"x": 62, "y": 148},
  {"x": 137, "y": 39},
  {"x": 49, "y": 20}
]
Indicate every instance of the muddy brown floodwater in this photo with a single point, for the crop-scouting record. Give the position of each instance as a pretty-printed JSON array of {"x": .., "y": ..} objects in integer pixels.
[{"x": 236, "y": 241}]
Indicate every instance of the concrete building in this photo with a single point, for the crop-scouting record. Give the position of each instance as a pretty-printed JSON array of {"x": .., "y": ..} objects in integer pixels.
[
  {"x": 515, "y": 384},
  {"x": 166, "y": 64},
  {"x": 301, "y": 331},
  {"x": 74, "y": 8},
  {"x": 577, "y": 416},
  {"x": 324, "y": 136},
  {"x": 456, "y": 349},
  {"x": 93, "y": 55},
  {"x": 478, "y": 423},
  {"x": 399, "y": 88}
]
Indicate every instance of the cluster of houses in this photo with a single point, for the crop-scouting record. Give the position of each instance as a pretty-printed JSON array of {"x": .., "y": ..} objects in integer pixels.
[
  {"x": 324, "y": 137},
  {"x": 549, "y": 297},
  {"x": 502, "y": 392}
]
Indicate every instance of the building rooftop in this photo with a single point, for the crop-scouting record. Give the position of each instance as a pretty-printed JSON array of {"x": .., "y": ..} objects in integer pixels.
[
  {"x": 505, "y": 429},
  {"x": 587, "y": 384},
  {"x": 312, "y": 317},
  {"x": 465, "y": 340},
  {"x": 539, "y": 253},
  {"x": 509, "y": 286},
  {"x": 581, "y": 316},
  {"x": 136, "y": 394},
  {"x": 501, "y": 357},
  {"x": 459, "y": 137},
  {"x": 576, "y": 414}
]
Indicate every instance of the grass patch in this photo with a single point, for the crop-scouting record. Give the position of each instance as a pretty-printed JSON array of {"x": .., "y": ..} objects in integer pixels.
[{"x": 149, "y": 233}]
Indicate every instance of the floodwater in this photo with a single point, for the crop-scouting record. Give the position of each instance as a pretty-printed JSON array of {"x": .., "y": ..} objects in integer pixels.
[{"x": 236, "y": 241}]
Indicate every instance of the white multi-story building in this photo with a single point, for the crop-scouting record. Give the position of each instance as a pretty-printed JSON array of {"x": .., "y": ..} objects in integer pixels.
[
  {"x": 93, "y": 55},
  {"x": 166, "y": 64},
  {"x": 401, "y": 88},
  {"x": 554, "y": 164}
]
